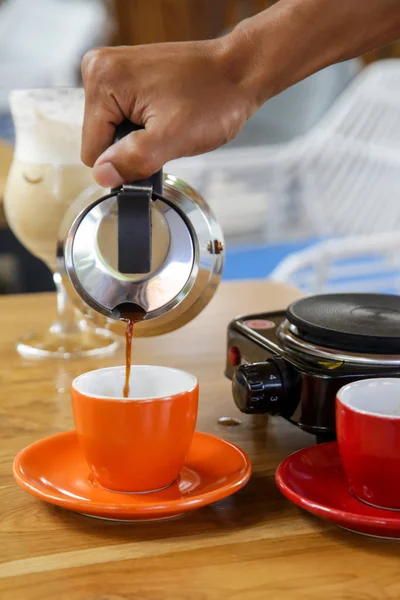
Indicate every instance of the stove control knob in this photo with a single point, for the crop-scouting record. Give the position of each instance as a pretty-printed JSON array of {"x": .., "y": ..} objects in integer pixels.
[{"x": 258, "y": 388}]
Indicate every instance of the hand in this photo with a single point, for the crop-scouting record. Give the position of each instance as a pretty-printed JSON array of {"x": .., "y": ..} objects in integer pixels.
[
  {"x": 184, "y": 94},
  {"x": 192, "y": 97}
]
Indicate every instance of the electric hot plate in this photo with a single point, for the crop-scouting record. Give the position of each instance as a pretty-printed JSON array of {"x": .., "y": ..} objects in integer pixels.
[
  {"x": 354, "y": 322},
  {"x": 291, "y": 363}
]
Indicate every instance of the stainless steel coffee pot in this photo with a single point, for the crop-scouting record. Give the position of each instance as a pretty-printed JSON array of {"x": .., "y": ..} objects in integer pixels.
[{"x": 151, "y": 247}]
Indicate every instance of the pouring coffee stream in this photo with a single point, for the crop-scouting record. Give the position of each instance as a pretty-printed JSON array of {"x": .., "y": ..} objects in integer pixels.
[
  {"x": 131, "y": 318},
  {"x": 150, "y": 252},
  {"x": 134, "y": 251}
]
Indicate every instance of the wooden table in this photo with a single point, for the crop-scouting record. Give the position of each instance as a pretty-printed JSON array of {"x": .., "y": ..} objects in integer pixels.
[
  {"x": 6, "y": 154},
  {"x": 253, "y": 546}
]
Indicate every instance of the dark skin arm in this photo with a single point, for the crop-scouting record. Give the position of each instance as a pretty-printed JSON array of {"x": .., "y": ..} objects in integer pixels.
[{"x": 193, "y": 97}]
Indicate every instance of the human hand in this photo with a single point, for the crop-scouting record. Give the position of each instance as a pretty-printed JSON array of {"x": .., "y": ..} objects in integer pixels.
[{"x": 186, "y": 95}]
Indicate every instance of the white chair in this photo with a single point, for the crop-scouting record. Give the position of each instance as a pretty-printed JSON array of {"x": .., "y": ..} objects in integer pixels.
[
  {"x": 358, "y": 264},
  {"x": 340, "y": 179}
]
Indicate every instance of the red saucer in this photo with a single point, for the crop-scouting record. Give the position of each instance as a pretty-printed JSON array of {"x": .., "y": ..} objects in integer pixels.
[
  {"x": 313, "y": 479},
  {"x": 55, "y": 471}
]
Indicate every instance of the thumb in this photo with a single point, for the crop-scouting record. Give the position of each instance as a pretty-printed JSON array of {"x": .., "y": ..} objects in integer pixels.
[{"x": 134, "y": 157}]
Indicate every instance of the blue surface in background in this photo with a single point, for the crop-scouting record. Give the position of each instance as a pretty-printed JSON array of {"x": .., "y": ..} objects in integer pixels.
[
  {"x": 257, "y": 262},
  {"x": 6, "y": 128}
]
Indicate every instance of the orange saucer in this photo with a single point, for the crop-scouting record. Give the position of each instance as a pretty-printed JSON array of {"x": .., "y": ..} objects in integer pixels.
[{"x": 55, "y": 471}]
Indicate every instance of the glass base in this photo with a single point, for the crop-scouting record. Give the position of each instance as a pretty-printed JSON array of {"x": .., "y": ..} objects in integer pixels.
[{"x": 75, "y": 342}]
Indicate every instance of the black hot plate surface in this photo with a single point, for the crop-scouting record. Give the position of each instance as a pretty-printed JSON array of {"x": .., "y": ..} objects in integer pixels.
[{"x": 367, "y": 323}]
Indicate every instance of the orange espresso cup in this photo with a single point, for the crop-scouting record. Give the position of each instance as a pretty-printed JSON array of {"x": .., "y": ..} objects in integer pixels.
[{"x": 135, "y": 444}]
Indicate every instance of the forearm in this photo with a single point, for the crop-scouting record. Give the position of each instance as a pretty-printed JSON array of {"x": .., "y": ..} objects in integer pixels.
[
  {"x": 193, "y": 97},
  {"x": 295, "y": 38}
]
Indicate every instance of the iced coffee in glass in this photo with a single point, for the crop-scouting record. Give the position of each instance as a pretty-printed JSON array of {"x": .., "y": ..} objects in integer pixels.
[{"x": 46, "y": 177}]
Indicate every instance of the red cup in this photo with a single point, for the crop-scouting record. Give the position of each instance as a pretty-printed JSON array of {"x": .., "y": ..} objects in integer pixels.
[{"x": 368, "y": 434}]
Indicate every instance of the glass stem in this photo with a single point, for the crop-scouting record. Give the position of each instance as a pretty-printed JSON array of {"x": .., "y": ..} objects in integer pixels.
[{"x": 66, "y": 321}]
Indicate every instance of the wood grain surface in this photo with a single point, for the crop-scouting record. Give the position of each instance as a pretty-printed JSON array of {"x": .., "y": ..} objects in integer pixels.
[
  {"x": 252, "y": 546},
  {"x": 6, "y": 154}
]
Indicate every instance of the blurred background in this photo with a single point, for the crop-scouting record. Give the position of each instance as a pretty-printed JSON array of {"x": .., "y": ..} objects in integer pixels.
[{"x": 309, "y": 192}]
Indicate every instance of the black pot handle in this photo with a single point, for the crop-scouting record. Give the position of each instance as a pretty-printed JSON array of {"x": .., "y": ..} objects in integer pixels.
[
  {"x": 134, "y": 216},
  {"x": 156, "y": 180}
]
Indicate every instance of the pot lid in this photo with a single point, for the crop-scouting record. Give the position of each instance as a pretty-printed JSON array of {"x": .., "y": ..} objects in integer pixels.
[{"x": 94, "y": 259}]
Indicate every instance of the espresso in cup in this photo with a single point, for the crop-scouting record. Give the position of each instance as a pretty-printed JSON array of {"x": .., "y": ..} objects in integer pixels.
[
  {"x": 368, "y": 434},
  {"x": 139, "y": 443}
]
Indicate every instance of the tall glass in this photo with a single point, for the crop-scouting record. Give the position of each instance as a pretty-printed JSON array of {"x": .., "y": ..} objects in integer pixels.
[{"x": 46, "y": 176}]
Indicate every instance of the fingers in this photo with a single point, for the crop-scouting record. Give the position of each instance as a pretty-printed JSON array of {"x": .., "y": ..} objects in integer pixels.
[
  {"x": 135, "y": 157},
  {"x": 102, "y": 112},
  {"x": 97, "y": 133}
]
